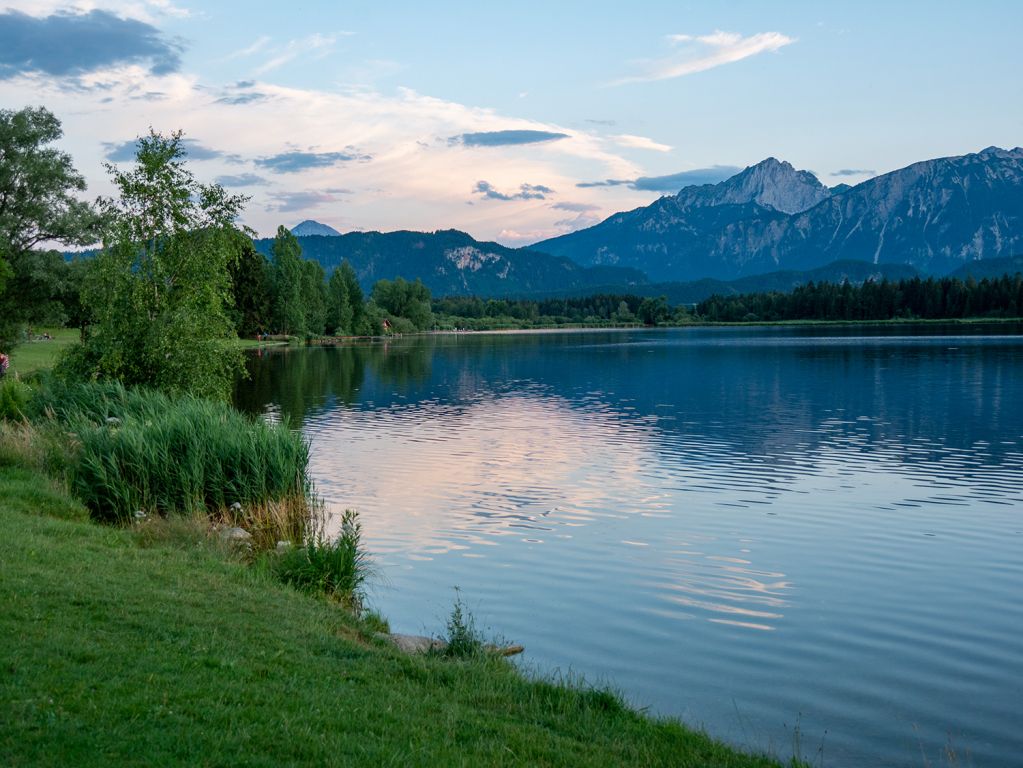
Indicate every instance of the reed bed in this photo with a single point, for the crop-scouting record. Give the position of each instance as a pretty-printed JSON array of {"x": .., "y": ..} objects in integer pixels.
[{"x": 141, "y": 453}]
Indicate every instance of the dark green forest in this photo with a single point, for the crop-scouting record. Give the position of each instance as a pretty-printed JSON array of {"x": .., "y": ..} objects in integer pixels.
[{"x": 947, "y": 298}]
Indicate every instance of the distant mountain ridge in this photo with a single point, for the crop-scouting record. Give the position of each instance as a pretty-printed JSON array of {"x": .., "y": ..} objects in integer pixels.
[
  {"x": 934, "y": 215},
  {"x": 451, "y": 263}
]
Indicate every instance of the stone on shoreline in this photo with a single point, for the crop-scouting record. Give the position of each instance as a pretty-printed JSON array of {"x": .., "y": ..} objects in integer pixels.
[
  {"x": 420, "y": 644},
  {"x": 236, "y": 537}
]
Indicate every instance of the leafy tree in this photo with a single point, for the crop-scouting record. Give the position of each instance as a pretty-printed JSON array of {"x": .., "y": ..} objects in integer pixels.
[
  {"x": 654, "y": 311},
  {"x": 159, "y": 292},
  {"x": 288, "y": 313},
  {"x": 314, "y": 297},
  {"x": 364, "y": 321},
  {"x": 41, "y": 286},
  {"x": 403, "y": 299},
  {"x": 250, "y": 289},
  {"x": 37, "y": 202},
  {"x": 339, "y": 304}
]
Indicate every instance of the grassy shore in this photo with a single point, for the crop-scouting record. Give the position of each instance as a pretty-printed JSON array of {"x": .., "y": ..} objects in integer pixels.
[
  {"x": 39, "y": 353},
  {"x": 125, "y": 648}
]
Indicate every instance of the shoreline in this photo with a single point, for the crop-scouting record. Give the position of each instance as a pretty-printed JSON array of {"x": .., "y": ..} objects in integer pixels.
[{"x": 327, "y": 341}]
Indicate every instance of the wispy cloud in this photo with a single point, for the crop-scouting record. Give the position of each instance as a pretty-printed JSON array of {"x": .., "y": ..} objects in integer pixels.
[
  {"x": 289, "y": 202},
  {"x": 505, "y": 138},
  {"x": 575, "y": 207},
  {"x": 316, "y": 45},
  {"x": 640, "y": 142},
  {"x": 526, "y": 192},
  {"x": 854, "y": 172},
  {"x": 259, "y": 44},
  {"x": 703, "y": 52}
]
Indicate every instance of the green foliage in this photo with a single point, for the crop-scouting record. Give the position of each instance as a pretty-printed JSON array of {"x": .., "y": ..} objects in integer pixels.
[
  {"x": 14, "y": 399},
  {"x": 288, "y": 312},
  {"x": 336, "y": 568},
  {"x": 252, "y": 298},
  {"x": 654, "y": 311},
  {"x": 314, "y": 297},
  {"x": 158, "y": 293},
  {"x": 402, "y": 299},
  {"x": 476, "y": 313},
  {"x": 37, "y": 185},
  {"x": 463, "y": 638},
  {"x": 37, "y": 204},
  {"x": 340, "y": 310}
]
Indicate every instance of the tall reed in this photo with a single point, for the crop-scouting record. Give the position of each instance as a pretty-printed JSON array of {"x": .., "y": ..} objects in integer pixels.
[{"x": 140, "y": 451}]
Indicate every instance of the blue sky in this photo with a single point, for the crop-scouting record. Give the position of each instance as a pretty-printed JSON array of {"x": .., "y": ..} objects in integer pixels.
[{"x": 516, "y": 122}]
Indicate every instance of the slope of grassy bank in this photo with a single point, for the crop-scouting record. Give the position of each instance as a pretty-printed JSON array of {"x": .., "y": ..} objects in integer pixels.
[{"x": 118, "y": 653}]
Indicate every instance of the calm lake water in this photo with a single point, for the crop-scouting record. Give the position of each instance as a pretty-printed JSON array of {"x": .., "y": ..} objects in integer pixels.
[{"x": 809, "y": 536}]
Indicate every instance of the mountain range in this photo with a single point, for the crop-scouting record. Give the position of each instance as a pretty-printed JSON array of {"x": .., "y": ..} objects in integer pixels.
[
  {"x": 935, "y": 216},
  {"x": 451, "y": 263},
  {"x": 769, "y": 227}
]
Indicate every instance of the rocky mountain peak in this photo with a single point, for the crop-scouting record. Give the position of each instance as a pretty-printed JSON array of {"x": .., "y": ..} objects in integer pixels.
[
  {"x": 1004, "y": 154},
  {"x": 771, "y": 183}
]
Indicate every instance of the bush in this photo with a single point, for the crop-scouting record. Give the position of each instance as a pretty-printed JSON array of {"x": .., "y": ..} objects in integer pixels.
[
  {"x": 463, "y": 639},
  {"x": 336, "y": 568}
]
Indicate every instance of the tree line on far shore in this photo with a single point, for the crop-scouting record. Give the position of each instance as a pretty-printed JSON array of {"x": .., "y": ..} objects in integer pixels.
[{"x": 946, "y": 298}]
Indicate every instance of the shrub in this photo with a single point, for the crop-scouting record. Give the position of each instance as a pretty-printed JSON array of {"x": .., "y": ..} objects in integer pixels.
[
  {"x": 463, "y": 639},
  {"x": 336, "y": 568}
]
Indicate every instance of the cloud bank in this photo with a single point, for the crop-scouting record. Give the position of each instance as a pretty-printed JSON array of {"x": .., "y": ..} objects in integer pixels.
[
  {"x": 526, "y": 192},
  {"x": 672, "y": 182},
  {"x": 505, "y": 138},
  {"x": 72, "y": 44},
  {"x": 854, "y": 172},
  {"x": 293, "y": 162}
]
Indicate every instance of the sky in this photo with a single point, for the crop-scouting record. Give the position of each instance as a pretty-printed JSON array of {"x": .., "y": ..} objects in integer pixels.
[{"x": 513, "y": 122}]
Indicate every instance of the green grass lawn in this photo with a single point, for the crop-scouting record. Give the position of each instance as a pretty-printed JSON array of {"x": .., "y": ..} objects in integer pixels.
[
  {"x": 41, "y": 353},
  {"x": 37, "y": 354},
  {"x": 119, "y": 653}
]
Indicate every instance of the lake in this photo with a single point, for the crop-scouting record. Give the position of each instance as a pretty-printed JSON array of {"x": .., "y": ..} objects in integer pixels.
[{"x": 798, "y": 538}]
